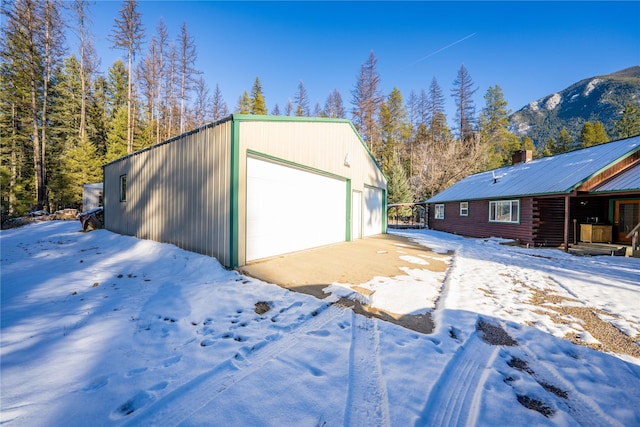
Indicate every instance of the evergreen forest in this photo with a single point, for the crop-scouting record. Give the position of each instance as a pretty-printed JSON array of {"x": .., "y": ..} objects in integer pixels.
[{"x": 61, "y": 118}]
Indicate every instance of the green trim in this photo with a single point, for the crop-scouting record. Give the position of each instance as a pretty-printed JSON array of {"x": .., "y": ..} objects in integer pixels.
[
  {"x": 233, "y": 205},
  {"x": 368, "y": 151},
  {"x": 274, "y": 159},
  {"x": 348, "y": 219},
  {"x": 104, "y": 198},
  {"x": 259, "y": 118},
  {"x": 612, "y": 210},
  {"x": 384, "y": 211},
  {"x": 505, "y": 222}
]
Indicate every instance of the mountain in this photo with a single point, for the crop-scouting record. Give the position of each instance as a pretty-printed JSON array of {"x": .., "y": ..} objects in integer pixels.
[{"x": 600, "y": 98}]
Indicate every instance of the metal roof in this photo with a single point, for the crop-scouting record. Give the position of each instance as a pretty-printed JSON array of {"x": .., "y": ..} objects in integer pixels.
[
  {"x": 627, "y": 181},
  {"x": 559, "y": 174}
]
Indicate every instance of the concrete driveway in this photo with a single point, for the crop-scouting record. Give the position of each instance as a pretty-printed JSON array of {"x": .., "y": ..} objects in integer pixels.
[{"x": 356, "y": 262}]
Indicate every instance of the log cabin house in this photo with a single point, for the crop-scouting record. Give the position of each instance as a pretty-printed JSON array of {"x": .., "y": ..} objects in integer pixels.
[{"x": 589, "y": 195}]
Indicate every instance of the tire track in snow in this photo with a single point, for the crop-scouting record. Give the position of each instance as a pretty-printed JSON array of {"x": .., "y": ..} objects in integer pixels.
[
  {"x": 367, "y": 403},
  {"x": 187, "y": 399},
  {"x": 455, "y": 399}
]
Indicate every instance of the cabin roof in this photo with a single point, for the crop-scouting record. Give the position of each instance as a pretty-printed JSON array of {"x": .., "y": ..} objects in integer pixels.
[{"x": 559, "y": 174}]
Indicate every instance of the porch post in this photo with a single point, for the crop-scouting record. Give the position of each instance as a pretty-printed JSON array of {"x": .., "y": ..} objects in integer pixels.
[{"x": 566, "y": 223}]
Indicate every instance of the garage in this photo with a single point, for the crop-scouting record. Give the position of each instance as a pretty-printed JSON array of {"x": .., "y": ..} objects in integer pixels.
[
  {"x": 373, "y": 220},
  {"x": 250, "y": 187},
  {"x": 291, "y": 209}
]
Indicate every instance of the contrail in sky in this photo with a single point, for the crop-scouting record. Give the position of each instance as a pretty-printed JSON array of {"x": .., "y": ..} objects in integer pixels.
[{"x": 444, "y": 48}]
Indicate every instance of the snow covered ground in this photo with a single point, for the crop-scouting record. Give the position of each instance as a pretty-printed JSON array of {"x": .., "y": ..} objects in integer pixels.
[{"x": 103, "y": 329}]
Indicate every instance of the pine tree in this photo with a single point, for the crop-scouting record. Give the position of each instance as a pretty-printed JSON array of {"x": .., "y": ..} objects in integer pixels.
[
  {"x": 219, "y": 106},
  {"x": 317, "y": 110},
  {"x": 22, "y": 34},
  {"x": 117, "y": 136},
  {"x": 494, "y": 129},
  {"x": 301, "y": 100},
  {"x": 187, "y": 56},
  {"x": 244, "y": 104},
  {"x": 148, "y": 70},
  {"x": 98, "y": 115},
  {"x": 600, "y": 133},
  {"x": 629, "y": 123},
  {"x": 87, "y": 57},
  {"x": 399, "y": 190},
  {"x": 276, "y": 110},
  {"x": 462, "y": 93},
  {"x": 366, "y": 101},
  {"x": 74, "y": 160},
  {"x": 289, "y": 108},
  {"x": 203, "y": 103},
  {"x": 53, "y": 50},
  {"x": 434, "y": 105},
  {"x": 587, "y": 135},
  {"x": 526, "y": 143},
  {"x": 565, "y": 141},
  {"x": 333, "y": 107},
  {"x": 82, "y": 166},
  {"x": 128, "y": 34},
  {"x": 117, "y": 87},
  {"x": 17, "y": 183},
  {"x": 258, "y": 105},
  {"x": 550, "y": 147},
  {"x": 395, "y": 128},
  {"x": 162, "y": 42},
  {"x": 170, "y": 106}
]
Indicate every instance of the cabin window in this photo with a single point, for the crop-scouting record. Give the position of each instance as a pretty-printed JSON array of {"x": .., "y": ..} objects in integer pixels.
[
  {"x": 464, "y": 208},
  {"x": 123, "y": 188},
  {"x": 439, "y": 212},
  {"x": 504, "y": 211}
]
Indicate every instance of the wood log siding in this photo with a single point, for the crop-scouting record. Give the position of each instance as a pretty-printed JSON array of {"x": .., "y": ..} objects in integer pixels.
[
  {"x": 477, "y": 224},
  {"x": 541, "y": 219},
  {"x": 548, "y": 222}
]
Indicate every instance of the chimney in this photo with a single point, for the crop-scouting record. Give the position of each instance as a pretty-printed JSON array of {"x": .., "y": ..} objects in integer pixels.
[{"x": 522, "y": 156}]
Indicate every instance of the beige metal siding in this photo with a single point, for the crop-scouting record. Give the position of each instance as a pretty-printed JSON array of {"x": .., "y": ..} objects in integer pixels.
[
  {"x": 320, "y": 145},
  {"x": 177, "y": 192},
  {"x": 331, "y": 147}
]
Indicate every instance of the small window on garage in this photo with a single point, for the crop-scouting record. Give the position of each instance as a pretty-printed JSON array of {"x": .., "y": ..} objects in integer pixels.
[
  {"x": 464, "y": 208},
  {"x": 439, "y": 212},
  {"x": 123, "y": 188}
]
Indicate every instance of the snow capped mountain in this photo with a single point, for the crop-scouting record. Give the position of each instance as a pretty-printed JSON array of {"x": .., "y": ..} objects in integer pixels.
[{"x": 601, "y": 98}]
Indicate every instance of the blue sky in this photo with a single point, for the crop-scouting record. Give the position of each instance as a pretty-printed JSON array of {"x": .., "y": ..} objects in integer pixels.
[{"x": 529, "y": 49}]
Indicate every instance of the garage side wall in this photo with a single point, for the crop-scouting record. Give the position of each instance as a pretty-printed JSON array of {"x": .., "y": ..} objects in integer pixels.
[{"x": 176, "y": 192}]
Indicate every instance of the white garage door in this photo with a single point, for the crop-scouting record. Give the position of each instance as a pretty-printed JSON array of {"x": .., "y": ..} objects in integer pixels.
[
  {"x": 372, "y": 211},
  {"x": 289, "y": 209}
]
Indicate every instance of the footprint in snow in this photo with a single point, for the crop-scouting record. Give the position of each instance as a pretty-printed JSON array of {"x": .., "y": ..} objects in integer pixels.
[
  {"x": 171, "y": 361},
  {"x": 138, "y": 401},
  {"x": 97, "y": 383},
  {"x": 136, "y": 371},
  {"x": 160, "y": 386}
]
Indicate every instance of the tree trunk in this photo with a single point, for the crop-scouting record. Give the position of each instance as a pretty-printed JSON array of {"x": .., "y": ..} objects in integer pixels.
[{"x": 129, "y": 130}]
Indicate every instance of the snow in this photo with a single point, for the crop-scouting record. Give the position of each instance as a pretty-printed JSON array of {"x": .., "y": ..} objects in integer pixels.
[
  {"x": 553, "y": 101},
  {"x": 591, "y": 86},
  {"x": 104, "y": 329}
]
